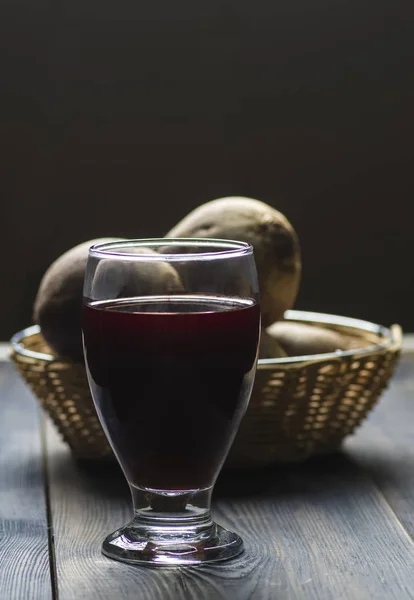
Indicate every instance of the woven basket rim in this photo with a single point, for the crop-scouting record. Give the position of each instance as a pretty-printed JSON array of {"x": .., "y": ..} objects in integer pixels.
[{"x": 392, "y": 340}]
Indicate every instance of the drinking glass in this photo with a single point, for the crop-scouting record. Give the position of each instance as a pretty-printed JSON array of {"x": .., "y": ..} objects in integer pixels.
[{"x": 171, "y": 330}]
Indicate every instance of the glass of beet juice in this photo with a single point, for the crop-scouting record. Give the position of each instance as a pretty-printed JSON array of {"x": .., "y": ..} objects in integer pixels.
[{"x": 171, "y": 330}]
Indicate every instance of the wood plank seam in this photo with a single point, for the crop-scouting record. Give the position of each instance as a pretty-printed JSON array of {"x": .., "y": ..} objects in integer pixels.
[
  {"x": 24, "y": 553},
  {"x": 49, "y": 514},
  {"x": 383, "y": 499}
]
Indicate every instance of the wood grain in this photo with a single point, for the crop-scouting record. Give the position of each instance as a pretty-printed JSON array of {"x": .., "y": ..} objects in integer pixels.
[
  {"x": 385, "y": 448},
  {"x": 24, "y": 557},
  {"x": 322, "y": 531}
]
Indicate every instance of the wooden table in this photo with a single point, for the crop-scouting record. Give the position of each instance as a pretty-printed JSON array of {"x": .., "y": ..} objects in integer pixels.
[{"x": 337, "y": 528}]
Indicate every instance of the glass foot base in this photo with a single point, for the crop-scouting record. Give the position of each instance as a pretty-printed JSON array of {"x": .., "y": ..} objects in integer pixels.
[{"x": 137, "y": 544}]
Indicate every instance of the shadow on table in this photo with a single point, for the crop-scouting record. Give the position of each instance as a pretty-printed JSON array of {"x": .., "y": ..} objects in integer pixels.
[
  {"x": 309, "y": 476},
  {"x": 100, "y": 477},
  {"x": 338, "y": 469}
]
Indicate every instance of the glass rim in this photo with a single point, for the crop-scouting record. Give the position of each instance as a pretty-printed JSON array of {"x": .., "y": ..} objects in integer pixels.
[{"x": 229, "y": 249}]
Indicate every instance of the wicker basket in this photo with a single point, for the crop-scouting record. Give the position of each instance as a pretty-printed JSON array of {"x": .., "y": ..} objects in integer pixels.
[{"x": 300, "y": 407}]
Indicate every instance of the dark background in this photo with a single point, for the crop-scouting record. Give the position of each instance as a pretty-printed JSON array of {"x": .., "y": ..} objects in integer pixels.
[{"x": 117, "y": 118}]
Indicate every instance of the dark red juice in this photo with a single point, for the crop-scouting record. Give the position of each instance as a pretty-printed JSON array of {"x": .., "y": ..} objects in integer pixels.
[{"x": 171, "y": 378}]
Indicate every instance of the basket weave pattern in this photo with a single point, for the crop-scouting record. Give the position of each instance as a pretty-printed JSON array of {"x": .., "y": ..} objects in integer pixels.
[
  {"x": 307, "y": 409},
  {"x": 297, "y": 409},
  {"x": 63, "y": 391}
]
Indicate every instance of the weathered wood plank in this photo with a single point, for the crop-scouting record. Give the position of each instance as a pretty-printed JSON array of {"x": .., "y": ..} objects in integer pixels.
[
  {"x": 385, "y": 446},
  {"x": 321, "y": 531},
  {"x": 24, "y": 556},
  {"x": 332, "y": 531},
  {"x": 88, "y": 503}
]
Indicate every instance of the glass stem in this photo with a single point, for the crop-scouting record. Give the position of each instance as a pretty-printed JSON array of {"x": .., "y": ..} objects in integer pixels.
[{"x": 168, "y": 512}]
